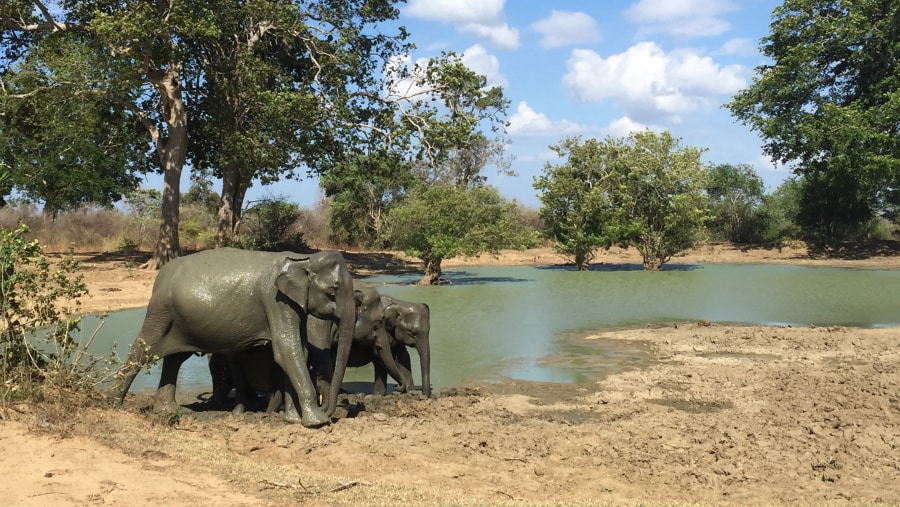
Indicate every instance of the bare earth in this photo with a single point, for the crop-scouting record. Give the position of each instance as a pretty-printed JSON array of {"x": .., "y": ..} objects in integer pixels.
[{"x": 724, "y": 415}]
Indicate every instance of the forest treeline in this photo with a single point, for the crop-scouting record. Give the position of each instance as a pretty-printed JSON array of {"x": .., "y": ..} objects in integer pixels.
[{"x": 96, "y": 94}]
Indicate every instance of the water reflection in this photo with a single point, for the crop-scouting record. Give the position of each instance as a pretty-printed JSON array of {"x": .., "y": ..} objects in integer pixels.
[{"x": 526, "y": 322}]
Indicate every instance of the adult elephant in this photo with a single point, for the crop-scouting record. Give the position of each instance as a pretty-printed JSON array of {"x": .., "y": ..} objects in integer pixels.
[
  {"x": 228, "y": 300},
  {"x": 385, "y": 327}
]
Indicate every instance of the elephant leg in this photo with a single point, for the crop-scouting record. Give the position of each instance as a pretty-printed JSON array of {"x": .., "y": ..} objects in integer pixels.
[
  {"x": 165, "y": 394},
  {"x": 321, "y": 364},
  {"x": 386, "y": 353},
  {"x": 381, "y": 374},
  {"x": 222, "y": 380},
  {"x": 243, "y": 391},
  {"x": 291, "y": 356}
]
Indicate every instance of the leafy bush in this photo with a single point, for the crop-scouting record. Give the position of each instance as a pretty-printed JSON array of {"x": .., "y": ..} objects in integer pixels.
[
  {"x": 37, "y": 321},
  {"x": 272, "y": 226}
]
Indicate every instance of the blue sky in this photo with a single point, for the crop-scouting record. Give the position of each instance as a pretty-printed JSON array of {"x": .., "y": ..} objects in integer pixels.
[{"x": 597, "y": 68}]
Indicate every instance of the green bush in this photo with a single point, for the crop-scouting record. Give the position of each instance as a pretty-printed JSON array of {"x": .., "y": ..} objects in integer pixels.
[{"x": 38, "y": 316}]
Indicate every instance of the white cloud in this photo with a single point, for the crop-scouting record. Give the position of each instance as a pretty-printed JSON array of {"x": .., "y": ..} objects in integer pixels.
[
  {"x": 456, "y": 11},
  {"x": 623, "y": 126},
  {"x": 684, "y": 18},
  {"x": 648, "y": 83},
  {"x": 738, "y": 47},
  {"x": 565, "y": 28},
  {"x": 484, "y": 63},
  {"x": 479, "y": 18},
  {"x": 500, "y": 35},
  {"x": 528, "y": 122}
]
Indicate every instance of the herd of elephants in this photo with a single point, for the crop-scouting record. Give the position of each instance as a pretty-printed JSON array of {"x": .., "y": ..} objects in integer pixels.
[{"x": 283, "y": 323}]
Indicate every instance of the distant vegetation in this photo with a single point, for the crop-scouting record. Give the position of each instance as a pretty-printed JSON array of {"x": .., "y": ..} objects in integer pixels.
[{"x": 95, "y": 95}]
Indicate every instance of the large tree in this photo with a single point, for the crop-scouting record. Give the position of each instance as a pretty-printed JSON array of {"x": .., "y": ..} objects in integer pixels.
[
  {"x": 828, "y": 103},
  {"x": 661, "y": 204},
  {"x": 63, "y": 141},
  {"x": 288, "y": 86},
  {"x": 256, "y": 87}
]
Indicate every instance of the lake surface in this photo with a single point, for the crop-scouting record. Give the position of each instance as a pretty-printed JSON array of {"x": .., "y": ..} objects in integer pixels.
[{"x": 495, "y": 322}]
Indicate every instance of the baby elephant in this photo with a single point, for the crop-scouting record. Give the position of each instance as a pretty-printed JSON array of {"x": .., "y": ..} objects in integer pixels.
[{"x": 384, "y": 328}]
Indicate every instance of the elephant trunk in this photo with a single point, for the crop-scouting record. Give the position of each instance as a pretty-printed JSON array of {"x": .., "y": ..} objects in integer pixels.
[
  {"x": 346, "y": 321},
  {"x": 424, "y": 349}
]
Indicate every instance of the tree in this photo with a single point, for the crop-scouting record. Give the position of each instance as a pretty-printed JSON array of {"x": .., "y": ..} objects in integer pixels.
[
  {"x": 363, "y": 188},
  {"x": 780, "y": 211},
  {"x": 271, "y": 85},
  {"x": 577, "y": 197},
  {"x": 735, "y": 194},
  {"x": 64, "y": 144},
  {"x": 288, "y": 85},
  {"x": 442, "y": 221},
  {"x": 661, "y": 208},
  {"x": 828, "y": 104}
]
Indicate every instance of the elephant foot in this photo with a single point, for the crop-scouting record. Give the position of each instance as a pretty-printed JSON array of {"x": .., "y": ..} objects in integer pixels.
[
  {"x": 165, "y": 407},
  {"x": 310, "y": 417},
  {"x": 239, "y": 409}
]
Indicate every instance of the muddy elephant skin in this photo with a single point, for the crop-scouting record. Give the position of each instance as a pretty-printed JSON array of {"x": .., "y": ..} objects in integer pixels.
[{"x": 228, "y": 300}]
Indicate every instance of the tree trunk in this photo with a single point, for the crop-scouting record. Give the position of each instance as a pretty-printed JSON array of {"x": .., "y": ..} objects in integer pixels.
[
  {"x": 225, "y": 222},
  {"x": 432, "y": 272},
  {"x": 172, "y": 151}
]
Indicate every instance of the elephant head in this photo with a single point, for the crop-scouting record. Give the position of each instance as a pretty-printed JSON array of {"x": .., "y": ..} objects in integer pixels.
[
  {"x": 410, "y": 324},
  {"x": 322, "y": 286}
]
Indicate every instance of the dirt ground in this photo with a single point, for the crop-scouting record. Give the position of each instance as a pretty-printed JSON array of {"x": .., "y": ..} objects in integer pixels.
[{"x": 723, "y": 415}]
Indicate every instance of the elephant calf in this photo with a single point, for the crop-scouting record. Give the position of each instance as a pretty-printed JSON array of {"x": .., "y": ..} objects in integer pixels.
[{"x": 384, "y": 328}]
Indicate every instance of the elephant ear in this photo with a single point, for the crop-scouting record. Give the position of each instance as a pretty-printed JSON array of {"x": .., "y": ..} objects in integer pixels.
[
  {"x": 293, "y": 281},
  {"x": 392, "y": 314}
]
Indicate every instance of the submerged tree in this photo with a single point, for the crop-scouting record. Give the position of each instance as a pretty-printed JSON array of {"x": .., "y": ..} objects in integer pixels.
[
  {"x": 442, "y": 221},
  {"x": 577, "y": 197}
]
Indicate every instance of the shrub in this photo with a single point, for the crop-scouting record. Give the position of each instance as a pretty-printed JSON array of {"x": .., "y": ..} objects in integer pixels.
[{"x": 38, "y": 316}]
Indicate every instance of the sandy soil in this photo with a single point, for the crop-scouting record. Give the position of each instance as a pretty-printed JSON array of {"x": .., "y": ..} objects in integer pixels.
[{"x": 721, "y": 415}]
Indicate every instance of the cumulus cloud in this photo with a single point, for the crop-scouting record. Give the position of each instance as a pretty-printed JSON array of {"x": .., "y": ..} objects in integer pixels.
[
  {"x": 528, "y": 122},
  {"x": 623, "y": 126},
  {"x": 479, "y": 60},
  {"x": 647, "y": 82},
  {"x": 565, "y": 28},
  {"x": 738, "y": 47},
  {"x": 683, "y": 18},
  {"x": 479, "y": 18}
]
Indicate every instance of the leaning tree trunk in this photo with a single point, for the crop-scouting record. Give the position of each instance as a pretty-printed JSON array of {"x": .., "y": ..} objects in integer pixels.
[
  {"x": 172, "y": 153},
  {"x": 432, "y": 272}
]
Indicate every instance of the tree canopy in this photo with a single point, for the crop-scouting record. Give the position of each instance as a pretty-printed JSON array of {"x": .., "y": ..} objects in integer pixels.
[
  {"x": 247, "y": 90},
  {"x": 441, "y": 221},
  {"x": 577, "y": 197},
  {"x": 644, "y": 190},
  {"x": 829, "y": 103}
]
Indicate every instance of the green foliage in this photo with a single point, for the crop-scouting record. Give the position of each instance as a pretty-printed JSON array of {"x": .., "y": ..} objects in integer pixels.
[
  {"x": 37, "y": 317},
  {"x": 829, "y": 104},
  {"x": 645, "y": 190},
  {"x": 363, "y": 188},
  {"x": 661, "y": 205},
  {"x": 780, "y": 211},
  {"x": 442, "y": 221},
  {"x": 271, "y": 224},
  {"x": 735, "y": 194},
  {"x": 578, "y": 197},
  {"x": 63, "y": 142}
]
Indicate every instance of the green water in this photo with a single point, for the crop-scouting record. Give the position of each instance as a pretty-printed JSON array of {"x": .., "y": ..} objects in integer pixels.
[{"x": 523, "y": 322}]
